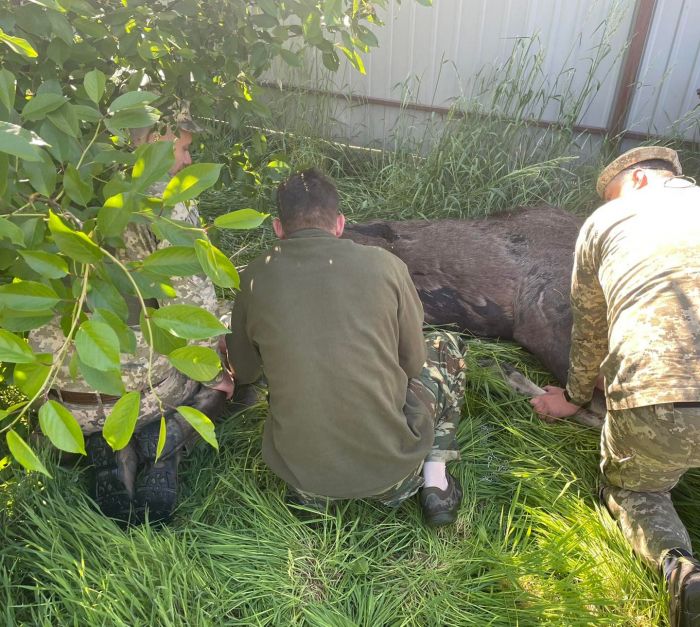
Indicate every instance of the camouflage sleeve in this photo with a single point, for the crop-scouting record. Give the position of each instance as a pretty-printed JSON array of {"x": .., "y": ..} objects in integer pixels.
[
  {"x": 196, "y": 290},
  {"x": 243, "y": 356},
  {"x": 589, "y": 333},
  {"x": 411, "y": 343}
]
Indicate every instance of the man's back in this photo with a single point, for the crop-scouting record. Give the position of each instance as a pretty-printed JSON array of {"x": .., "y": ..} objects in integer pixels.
[
  {"x": 645, "y": 249},
  {"x": 338, "y": 328}
]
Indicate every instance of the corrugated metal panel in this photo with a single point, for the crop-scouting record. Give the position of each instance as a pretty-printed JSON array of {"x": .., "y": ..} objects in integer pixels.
[
  {"x": 670, "y": 72},
  {"x": 432, "y": 55}
]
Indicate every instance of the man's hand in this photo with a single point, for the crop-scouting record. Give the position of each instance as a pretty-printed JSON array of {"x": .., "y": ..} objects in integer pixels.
[
  {"x": 552, "y": 404},
  {"x": 225, "y": 385}
]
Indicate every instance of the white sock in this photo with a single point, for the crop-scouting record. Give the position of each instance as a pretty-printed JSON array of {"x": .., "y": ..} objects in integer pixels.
[{"x": 435, "y": 475}]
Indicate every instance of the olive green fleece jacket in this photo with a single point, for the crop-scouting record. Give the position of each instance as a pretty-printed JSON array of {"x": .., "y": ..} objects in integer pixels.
[{"x": 337, "y": 329}]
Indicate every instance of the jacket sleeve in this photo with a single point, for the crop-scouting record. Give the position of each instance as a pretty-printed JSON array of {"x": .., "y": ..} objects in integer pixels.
[
  {"x": 243, "y": 355},
  {"x": 589, "y": 333},
  {"x": 411, "y": 342}
]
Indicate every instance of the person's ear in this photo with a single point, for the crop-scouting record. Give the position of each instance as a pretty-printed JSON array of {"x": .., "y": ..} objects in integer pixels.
[
  {"x": 639, "y": 178},
  {"x": 339, "y": 225},
  {"x": 277, "y": 227}
]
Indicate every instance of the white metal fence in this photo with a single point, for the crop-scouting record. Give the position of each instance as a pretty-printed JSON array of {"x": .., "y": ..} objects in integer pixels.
[{"x": 431, "y": 57}]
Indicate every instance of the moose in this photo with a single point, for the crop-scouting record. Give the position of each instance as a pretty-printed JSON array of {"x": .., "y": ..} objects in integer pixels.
[{"x": 506, "y": 276}]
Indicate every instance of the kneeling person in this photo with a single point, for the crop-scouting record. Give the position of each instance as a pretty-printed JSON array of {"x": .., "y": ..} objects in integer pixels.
[
  {"x": 130, "y": 482},
  {"x": 356, "y": 409}
]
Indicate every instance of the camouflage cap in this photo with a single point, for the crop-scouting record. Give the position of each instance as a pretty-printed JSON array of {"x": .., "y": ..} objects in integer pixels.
[
  {"x": 634, "y": 156},
  {"x": 182, "y": 118}
]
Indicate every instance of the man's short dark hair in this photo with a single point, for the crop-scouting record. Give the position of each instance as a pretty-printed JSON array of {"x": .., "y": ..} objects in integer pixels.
[{"x": 307, "y": 200}]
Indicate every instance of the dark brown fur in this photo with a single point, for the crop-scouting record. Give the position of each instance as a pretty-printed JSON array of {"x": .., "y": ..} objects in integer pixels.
[{"x": 506, "y": 276}]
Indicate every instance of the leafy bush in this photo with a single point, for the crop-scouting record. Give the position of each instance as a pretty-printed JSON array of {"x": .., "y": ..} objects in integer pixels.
[{"x": 76, "y": 76}]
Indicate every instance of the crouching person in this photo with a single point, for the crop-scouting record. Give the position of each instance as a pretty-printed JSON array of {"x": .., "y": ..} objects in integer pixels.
[
  {"x": 129, "y": 483},
  {"x": 362, "y": 405}
]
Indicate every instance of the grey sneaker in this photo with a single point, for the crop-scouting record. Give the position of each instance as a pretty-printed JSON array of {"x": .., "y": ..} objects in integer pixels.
[
  {"x": 684, "y": 590},
  {"x": 440, "y": 507}
]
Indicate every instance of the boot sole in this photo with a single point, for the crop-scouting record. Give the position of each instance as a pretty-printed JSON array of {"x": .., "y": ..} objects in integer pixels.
[{"x": 156, "y": 492}]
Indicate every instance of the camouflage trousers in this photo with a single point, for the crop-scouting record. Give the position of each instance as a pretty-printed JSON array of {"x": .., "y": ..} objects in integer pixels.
[
  {"x": 645, "y": 451},
  {"x": 440, "y": 388}
]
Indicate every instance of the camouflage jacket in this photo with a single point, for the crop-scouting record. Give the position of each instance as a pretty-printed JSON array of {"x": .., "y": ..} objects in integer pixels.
[
  {"x": 139, "y": 242},
  {"x": 635, "y": 296}
]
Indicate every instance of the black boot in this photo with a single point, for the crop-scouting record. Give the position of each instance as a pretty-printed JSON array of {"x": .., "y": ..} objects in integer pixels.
[
  {"x": 156, "y": 486},
  {"x": 683, "y": 575},
  {"x": 113, "y": 477},
  {"x": 440, "y": 507}
]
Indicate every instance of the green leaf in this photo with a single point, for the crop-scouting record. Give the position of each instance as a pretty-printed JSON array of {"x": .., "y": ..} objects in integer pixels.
[
  {"x": 131, "y": 99},
  {"x": 41, "y": 105},
  {"x": 269, "y": 6},
  {"x": 153, "y": 162},
  {"x": 28, "y": 296},
  {"x": 162, "y": 341},
  {"x": 200, "y": 423},
  {"x": 9, "y": 230},
  {"x": 94, "y": 83},
  {"x": 4, "y": 170},
  {"x": 216, "y": 265},
  {"x": 79, "y": 189},
  {"x": 105, "y": 295},
  {"x": 173, "y": 261},
  {"x": 291, "y": 58},
  {"x": 104, "y": 381},
  {"x": 367, "y": 37},
  {"x": 62, "y": 147},
  {"x": 190, "y": 182},
  {"x": 149, "y": 50},
  {"x": 66, "y": 120},
  {"x": 197, "y": 362},
  {"x": 161, "y": 437},
  {"x": 14, "y": 350},
  {"x": 97, "y": 345},
  {"x": 18, "y": 45},
  {"x": 30, "y": 378},
  {"x": 241, "y": 219},
  {"x": 127, "y": 339},
  {"x": 331, "y": 60},
  {"x": 41, "y": 174},
  {"x": 87, "y": 114},
  {"x": 188, "y": 321},
  {"x": 74, "y": 244},
  {"x": 60, "y": 27},
  {"x": 113, "y": 217},
  {"x": 136, "y": 117},
  {"x": 119, "y": 425},
  {"x": 20, "y": 322},
  {"x": 177, "y": 232},
  {"x": 355, "y": 59},
  {"x": 61, "y": 427},
  {"x": 17, "y": 141},
  {"x": 8, "y": 89},
  {"x": 49, "y": 265},
  {"x": 23, "y": 454}
]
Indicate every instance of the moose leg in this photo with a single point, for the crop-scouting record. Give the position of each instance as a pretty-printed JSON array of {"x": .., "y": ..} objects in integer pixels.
[{"x": 519, "y": 383}]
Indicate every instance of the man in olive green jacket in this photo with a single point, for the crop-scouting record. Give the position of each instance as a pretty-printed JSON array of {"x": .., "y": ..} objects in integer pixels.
[{"x": 355, "y": 407}]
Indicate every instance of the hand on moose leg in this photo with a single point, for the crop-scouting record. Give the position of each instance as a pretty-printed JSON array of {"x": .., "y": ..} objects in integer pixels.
[{"x": 552, "y": 404}]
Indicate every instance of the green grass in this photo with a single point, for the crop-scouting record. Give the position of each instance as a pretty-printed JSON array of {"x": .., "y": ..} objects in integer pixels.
[{"x": 531, "y": 545}]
